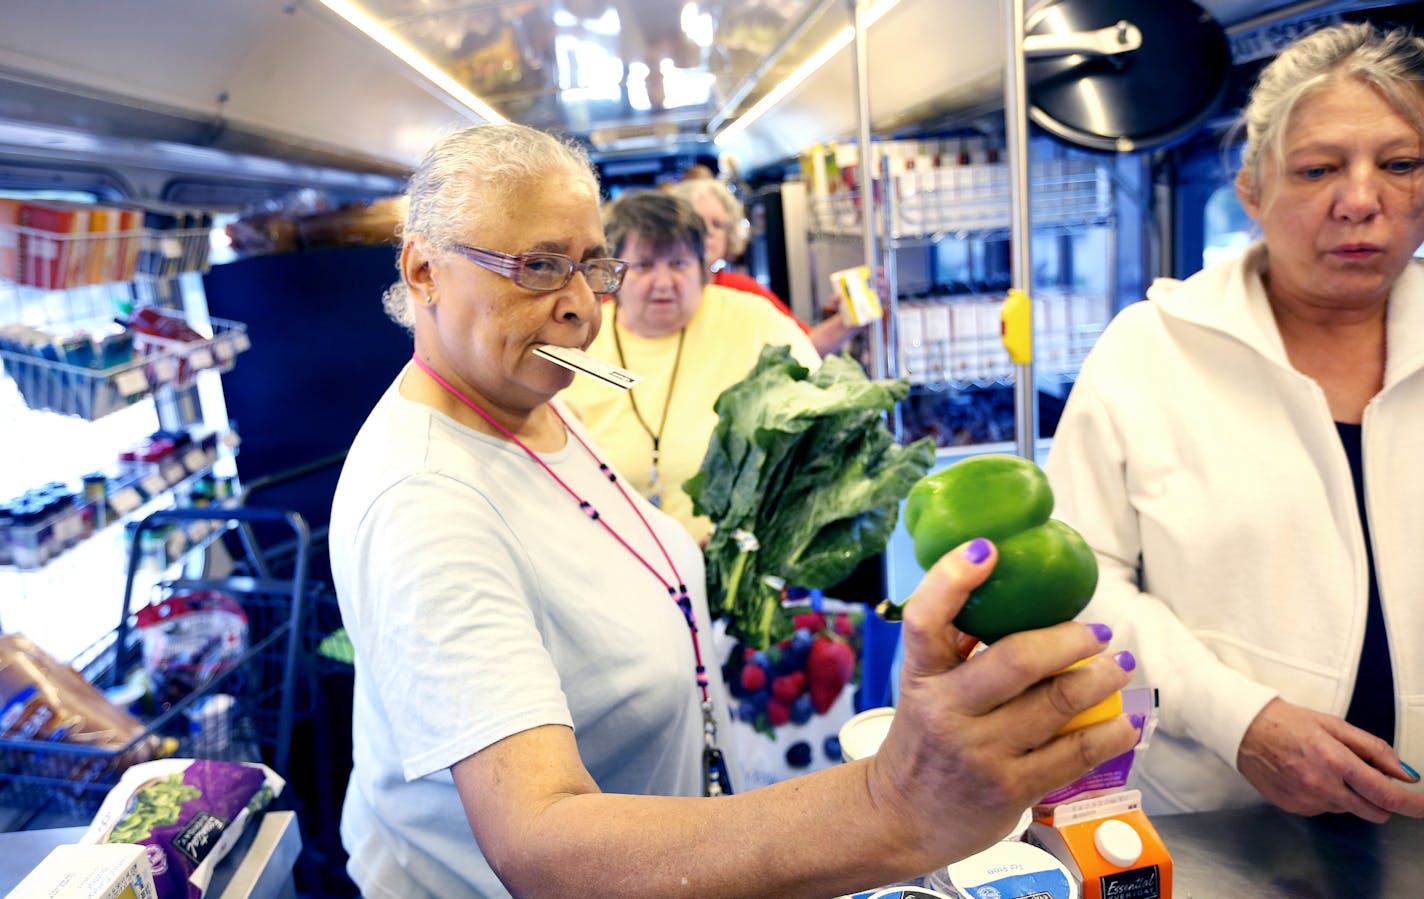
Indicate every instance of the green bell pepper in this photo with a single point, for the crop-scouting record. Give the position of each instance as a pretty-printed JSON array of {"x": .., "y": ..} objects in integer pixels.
[{"x": 1046, "y": 573}]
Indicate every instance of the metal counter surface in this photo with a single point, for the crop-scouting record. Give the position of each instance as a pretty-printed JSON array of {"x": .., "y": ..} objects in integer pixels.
[{"x": 1266, "y": 852}]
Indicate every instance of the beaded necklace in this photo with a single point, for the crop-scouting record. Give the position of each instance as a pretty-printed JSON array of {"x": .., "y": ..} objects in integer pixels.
[{"x": 715, "y": 779}]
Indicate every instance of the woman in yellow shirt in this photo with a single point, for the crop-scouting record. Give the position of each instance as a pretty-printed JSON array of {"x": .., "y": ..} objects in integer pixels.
[{"x": 689, "y": 339}]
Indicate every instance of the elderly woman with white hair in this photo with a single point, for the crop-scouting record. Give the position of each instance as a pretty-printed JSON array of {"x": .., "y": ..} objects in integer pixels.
[
  {"x": 536, "y": 705},
  {"x": 1242, "y": 451}
]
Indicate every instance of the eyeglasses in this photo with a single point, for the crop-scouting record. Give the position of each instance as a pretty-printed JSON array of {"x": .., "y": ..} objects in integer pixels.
[{"x": 547, "y": 271}]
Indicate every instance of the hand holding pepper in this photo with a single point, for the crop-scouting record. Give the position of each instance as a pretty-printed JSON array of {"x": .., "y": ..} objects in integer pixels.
[{"x": 975, "y": 742}]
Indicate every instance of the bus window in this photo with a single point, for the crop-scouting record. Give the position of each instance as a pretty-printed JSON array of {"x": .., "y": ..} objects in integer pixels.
[{"x": 1227, "y": 228}]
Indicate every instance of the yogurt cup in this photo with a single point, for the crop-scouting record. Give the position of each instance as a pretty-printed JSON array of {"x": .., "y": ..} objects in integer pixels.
[
  {"x": 1010, "y": 870},
  {"x": 862, "y": 734}
]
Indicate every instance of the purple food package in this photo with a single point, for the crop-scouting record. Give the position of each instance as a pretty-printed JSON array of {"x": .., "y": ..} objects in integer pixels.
[
  {"x": 1112, "y": 774},
  {"x": 187, "y": 812}
]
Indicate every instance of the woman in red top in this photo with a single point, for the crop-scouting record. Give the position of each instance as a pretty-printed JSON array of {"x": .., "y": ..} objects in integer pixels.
[{"x": 726, "y": 239}]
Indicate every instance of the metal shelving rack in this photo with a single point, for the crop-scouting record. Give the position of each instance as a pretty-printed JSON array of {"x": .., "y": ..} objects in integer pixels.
[{"x": 948, "y": 342}]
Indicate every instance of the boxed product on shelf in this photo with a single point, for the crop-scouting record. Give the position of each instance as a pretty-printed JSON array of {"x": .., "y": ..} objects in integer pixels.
[
  {"x": 92, "y": 369},
  {"x": 48, "y": 255},
  {"x": 946, "y": 186},
  {"x": 71, "y": 370},
  {"x": 175, "y": 241},
  {"x": 9, "y": 239},
  {"x": 105, "y": 224},
  {"x": 58, "y": 245}
]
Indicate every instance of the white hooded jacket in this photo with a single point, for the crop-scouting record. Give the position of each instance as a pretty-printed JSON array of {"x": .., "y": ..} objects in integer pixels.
[{"x": 1192, "y": 453}]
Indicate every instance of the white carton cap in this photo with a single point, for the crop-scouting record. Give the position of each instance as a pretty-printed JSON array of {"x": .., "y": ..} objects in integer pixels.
[{"x": 1118, "y": 842}]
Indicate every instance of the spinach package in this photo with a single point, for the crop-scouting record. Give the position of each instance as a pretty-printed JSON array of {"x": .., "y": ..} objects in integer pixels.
[
  {"x": 187, "y": 814},
  {"x": 802, "y": 481}
]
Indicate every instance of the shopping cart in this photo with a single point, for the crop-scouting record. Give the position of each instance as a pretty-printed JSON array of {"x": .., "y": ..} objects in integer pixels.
[
  {"x": 321, "y": 739},
  {"x": 61, "y": 782}
]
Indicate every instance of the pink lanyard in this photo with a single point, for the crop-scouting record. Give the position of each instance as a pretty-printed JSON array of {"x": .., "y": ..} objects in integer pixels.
[{"x": 677, "y": 593}]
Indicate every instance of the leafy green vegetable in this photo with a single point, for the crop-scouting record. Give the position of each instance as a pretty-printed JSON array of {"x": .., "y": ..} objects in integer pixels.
[{"x": 803, "y": 481}]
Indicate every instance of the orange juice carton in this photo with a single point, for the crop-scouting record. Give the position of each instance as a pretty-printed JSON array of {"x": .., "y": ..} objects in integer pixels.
[
  {"x": 9, "y": 239},
  {"x": 1109, "y": 846}
]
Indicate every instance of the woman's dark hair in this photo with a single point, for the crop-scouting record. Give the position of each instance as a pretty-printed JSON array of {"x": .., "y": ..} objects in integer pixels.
[{"x": 659, "y": 219}]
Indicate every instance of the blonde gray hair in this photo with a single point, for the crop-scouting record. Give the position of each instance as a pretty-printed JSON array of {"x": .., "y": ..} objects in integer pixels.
[
  {"x": 694, "y": 189},
  {"x": 1390, "y": 61},
  {"x": 466, "y": 177}
]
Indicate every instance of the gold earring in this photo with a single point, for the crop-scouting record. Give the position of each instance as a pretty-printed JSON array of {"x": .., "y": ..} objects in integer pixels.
[{"x": 430, "y": 298}]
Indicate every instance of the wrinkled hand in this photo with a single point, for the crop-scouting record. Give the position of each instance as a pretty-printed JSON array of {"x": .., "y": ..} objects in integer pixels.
[
  {"x": 1308, "y": 762},
  {"x": 972, "y": 743}
]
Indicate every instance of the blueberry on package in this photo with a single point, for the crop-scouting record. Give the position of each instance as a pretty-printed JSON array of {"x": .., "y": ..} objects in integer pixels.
[{"x": 187, "y": 813}]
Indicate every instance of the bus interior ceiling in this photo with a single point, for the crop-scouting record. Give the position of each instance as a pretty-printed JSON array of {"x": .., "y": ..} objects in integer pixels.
[
  {"x": 232, "y": 106},
  {"x": 255, "y": 96}
]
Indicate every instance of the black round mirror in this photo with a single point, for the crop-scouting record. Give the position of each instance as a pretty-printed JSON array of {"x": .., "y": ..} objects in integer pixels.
[{"x": 1149, "y": 97}]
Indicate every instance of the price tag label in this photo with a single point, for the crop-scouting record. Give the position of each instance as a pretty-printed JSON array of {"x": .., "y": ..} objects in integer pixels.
[
  {"x": 198, "y": 530},
  {"x": 195, "y": 460},
  {"x": 125, "y": 501},
  {"x": 165, "y": 369},
  {"x": 241, "y": 343},
  {"x": 230, "y": 439},
  {"x": 173, "y": 471},
  {"x": 68, "y": 528},
  {"x": 131, "y": 382},
  {"x": 176, "y": 545},
  {"x": 200, "y": 359},
  {"x": 224, "y": 352},
  {"x": 154, "y": 484}
]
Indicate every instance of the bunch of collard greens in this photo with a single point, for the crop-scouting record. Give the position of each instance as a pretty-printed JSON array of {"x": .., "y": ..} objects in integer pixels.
[{"x": 802, "y": 481}]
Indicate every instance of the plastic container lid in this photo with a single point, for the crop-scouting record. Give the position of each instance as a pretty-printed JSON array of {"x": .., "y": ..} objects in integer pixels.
[
  {"x": 1007, "y": 869},
  {"x": 1118, "y": 842},
  {"x": 862, "y": 735}
]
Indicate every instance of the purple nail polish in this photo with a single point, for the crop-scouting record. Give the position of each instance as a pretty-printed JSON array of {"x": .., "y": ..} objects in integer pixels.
[
  {"x": 1101, "y": 631},
  {"x": 977, "y": 550},
  {"x": 1136, "y": 721},
  {"x": 1126, "y": 661}
]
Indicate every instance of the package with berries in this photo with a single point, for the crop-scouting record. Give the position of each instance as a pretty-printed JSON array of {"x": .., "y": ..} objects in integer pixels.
[{"x": 789, "y": 700}]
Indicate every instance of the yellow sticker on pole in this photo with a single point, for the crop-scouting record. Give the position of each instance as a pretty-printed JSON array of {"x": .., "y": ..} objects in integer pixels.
[{"x": 1016, "y": 326}]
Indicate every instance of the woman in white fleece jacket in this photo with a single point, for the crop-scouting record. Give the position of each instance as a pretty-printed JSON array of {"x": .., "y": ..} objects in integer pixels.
[{"x": 1243, "y": 451}]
